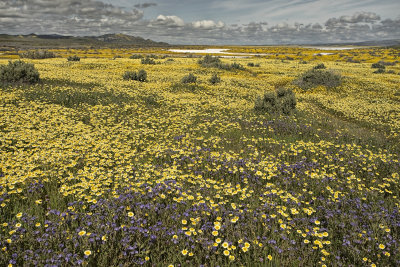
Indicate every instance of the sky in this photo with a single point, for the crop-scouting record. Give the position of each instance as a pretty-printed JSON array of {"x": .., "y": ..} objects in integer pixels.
[{"x": 250, "y": 22}]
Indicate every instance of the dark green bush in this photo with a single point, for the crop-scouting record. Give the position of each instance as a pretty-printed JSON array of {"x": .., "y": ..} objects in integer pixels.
[
  {"x": 130, "y": 75},
  {"x": 379, "y": 71},
  {"x": 74, "y": 58},
  {"x": 209, "y": 61},
  {"x": 287, "y": 100},
  {"x": 320, "y": 67},
  {"x": 250, "y": 64},
  {"x": 282, "y": 101},
  {"x": 38, "y": 54},
  {"x": 215, "y": 79},
  {"x": 148, "y": 60},
  {"x": 190, "y": 78},
  {"x": 384, "y": 63},
  {"x": 378, "y": 66},
  {"x": 19, "y": 72},
  {"x": 313, "y": 78},
  {"x": 136, "y": 56},
  {"x": 140, "y": 76}
]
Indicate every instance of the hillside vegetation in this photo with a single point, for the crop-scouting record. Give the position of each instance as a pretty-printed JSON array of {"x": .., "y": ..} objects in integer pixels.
[{"x": 188, "y": 166}]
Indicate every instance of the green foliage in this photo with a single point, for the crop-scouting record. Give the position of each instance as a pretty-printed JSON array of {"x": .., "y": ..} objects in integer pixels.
[
  {"x": 378, "y": 66},
  {"x": 190, "y": 78},
  {"x": 136, "y": 56},
  {"x": 209, "y": 61},
  {"x": 38, "y": 54},
  {"x": 379, "y": 71},
  {"x": 140, "y": 76},
  {"x": 250, "y": 64},
  {"x": 283, "y": 101},
  {"x": 148, "y": 61},
  {"x": 215, "y": 79},
  {"x": 74, "y": 58},
  {"x": 19, "y": 72},
  {"x": 315, "y": 77},
  {"x": 320, "y": 67}
]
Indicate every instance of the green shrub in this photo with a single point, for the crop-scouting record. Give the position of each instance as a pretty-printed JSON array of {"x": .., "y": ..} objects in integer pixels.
[
  {"x": 130, "y": 75},
  {"x": 136, "y": 56},
  {"x": 140, "y": 76},
  {"x": 379, "y": 71},
  {"x": 282, "y": 101},
  {"x": 215, "y": 79},
  {"x": 268, "y": 103},
  {"x": 148, "y": 60},
  {"x": 384, "y": 63},
  {"x": 320, "y": 67},
  {"x": 74, "y": 58},
  {"x": 250, "y": 64},
  {"x": 209, "y": 61},
  {"x": 313, "y": 78},
  {"x": 19, "y": 72},
  {"x": 378, "y": 66},
  {"x": 287, "y": 100},
  {"x": 189, "y": 79},
  {"x": 38, "y": 54}
]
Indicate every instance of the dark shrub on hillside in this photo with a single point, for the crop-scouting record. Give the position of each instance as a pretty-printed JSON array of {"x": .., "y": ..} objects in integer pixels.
[
  {"x": 74, "y": 58},
  {"x": 286, "y": 99},
  {"x": 209, "y": 61},
  {"x": 379, "y": 71},
  {"x": 313, "y": 78},
  {"x": 320, "y": 67},
  {"x": 136, "y": 56},
  {"x": 140, "y": 76},
  {"x": 189, "y": 79},
  {"x": 282, "y": 101},
  {"x": 387, "y": 63},
  {"x": 250, "y": 64},
  {"x": 215, "y": 79},
  {"x": 38, "y": 54},
  {"x": 148, "y": 61},
  {"x": 377, "y": 66},
  {"x": 19, "y": 72}
]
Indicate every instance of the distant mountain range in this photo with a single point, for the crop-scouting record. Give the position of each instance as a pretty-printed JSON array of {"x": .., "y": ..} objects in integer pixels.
[{"x": 59, "y": 41}]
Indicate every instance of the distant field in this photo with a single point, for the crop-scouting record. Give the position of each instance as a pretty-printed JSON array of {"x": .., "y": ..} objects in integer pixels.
[{"x": 101, "y": 171}]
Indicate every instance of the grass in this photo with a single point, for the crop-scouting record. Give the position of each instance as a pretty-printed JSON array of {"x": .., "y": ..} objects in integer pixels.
[{"x": 100, "y": 171}]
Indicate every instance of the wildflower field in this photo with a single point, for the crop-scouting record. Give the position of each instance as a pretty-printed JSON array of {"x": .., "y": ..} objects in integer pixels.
[{"x": 99, "y": 170}]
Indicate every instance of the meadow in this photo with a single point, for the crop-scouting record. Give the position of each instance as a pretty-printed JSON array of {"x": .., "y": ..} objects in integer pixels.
[{"x": 96, "y": 170}]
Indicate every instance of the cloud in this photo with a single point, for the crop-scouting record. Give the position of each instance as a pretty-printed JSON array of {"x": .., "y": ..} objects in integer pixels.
[
  {"x": 64, "y": 16},
  {"x": 169, "y": 21},
  {"x": 359, "y": 17},
  {"x": 369, "y": 17},
  {"x": 92, "y": 17},
  {"x": 207, "y": 24},
  {"x": 145, "y": 5}
]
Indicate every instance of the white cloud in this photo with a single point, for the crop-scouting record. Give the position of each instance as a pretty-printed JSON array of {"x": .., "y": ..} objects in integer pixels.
[
  {"x": 173, "y": 21},
  {"x": 207, "y": 24}
]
